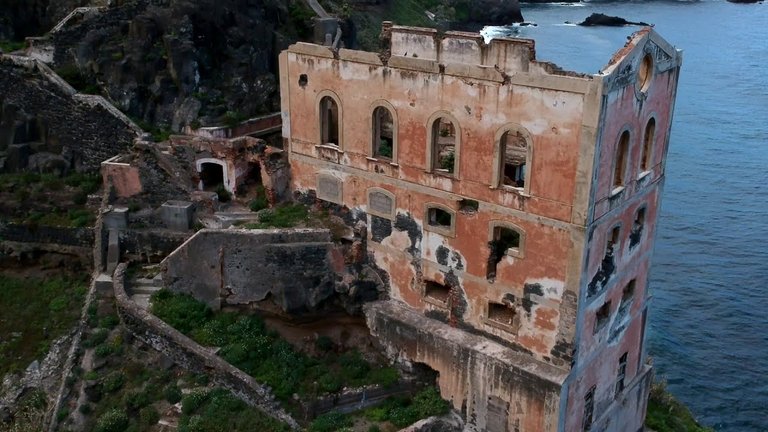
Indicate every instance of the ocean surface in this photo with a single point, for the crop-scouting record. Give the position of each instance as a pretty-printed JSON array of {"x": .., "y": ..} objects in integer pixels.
[{"x": 709, "y": 312}]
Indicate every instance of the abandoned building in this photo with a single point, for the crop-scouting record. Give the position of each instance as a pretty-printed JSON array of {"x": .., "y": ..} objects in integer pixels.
[{"x": 512, "y": 204}]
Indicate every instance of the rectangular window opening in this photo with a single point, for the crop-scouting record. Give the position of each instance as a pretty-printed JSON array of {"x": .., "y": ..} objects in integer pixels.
[
  {"x": 504, "y": 240},
  {"x": 589, "y": 408},
  {"x": 501, "y": 313},
  {"x": 622, "y": 373},
  {"x": 440, "y": 218},
  {"x": 602, "y": 316},
  {"x": 437, "y": 291}
]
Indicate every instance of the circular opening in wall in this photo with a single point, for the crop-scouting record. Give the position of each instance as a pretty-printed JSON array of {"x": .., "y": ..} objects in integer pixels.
[{"x": 644, "y": 73}]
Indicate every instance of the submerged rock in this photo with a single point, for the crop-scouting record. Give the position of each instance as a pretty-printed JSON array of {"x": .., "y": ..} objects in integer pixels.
[{"x": 598, "y": 19}]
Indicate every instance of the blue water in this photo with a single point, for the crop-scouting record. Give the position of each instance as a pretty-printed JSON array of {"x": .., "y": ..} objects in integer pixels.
[{"x": 709, "y": 314}]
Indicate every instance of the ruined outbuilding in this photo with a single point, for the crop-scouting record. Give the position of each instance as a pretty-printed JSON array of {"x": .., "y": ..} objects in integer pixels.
[{"x": 512, "y": 204}]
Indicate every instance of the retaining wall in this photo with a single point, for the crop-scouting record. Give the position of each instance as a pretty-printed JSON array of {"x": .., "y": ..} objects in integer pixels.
[{"x": 191, "y": 356}]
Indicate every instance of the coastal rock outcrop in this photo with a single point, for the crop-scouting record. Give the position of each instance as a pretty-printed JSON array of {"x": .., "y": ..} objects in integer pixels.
[
  {"x": 493, "y": 12},
  {"x": 598, "y": 19}
]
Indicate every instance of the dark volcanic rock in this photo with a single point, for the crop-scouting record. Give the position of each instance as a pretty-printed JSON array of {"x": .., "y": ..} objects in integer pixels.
[
  {"x": 494, "y": 12},
  {"x": 173, "y": 62},
  {"x": 22, "y": 18},
  {"x": 598, "y": 19}
]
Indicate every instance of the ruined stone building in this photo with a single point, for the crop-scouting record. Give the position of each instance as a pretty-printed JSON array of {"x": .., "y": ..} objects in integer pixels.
[{"x": 512, "y": 204}]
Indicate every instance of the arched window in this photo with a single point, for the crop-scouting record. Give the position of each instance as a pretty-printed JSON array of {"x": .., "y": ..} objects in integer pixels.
[
  {"x": 329, "y": 122},
  {"x": 620, "y": 167},
  {"x": 513, "y": 150},
  {"x": 383, "y": 133},
  {"x": 443, "y": 146},
  {"x": 514, "y": 159},
  {"x": 650, "y": 136}
]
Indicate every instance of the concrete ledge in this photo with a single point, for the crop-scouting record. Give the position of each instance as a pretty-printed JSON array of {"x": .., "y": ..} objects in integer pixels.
[
  {"x": 480, "y": 376},
  {"x": 485, "y": 73},
  {"x": 415, "y": 64},
  {"x": 311, "y": 50},
  {"x": 192, "y": 356},
  {"x": 360, "y": 57}
]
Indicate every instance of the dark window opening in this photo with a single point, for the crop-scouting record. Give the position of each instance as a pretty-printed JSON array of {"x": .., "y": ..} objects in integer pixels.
[
  {"x": 514, "y": 150},
  {"x": 303, "y": 80},
  {"x": 629, "y": 292},
  {"x": 650, "y": 132},
  {"x": 443, "y": 146},
  {"x": 637, "y": 228},
  {"x": 28, "y": 132},
  {"x": 602, "y": 316},
  {"x": 440, "y": 218},
  {"x": 613, "y": 241},
  {"x": 589, "y": 408},
  {"x": 622, "y": 373},
  {"x": 211, "y": 175},
  {"x": 383, "y": 133},
  {"x": 437, "y": 291},
  {"x": 329, "y": 121},
  {"x": 503, "y": 240},
  {"x": 501, "y": 313},
  {"x": 621, "y": 160},
  {"x": 469, "y": 206}
]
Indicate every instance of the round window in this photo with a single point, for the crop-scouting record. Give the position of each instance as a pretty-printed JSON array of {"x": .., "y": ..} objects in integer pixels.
[{"x": 644, "y": 73}]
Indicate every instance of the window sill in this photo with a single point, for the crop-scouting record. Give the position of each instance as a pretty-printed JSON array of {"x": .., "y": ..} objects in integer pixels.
[
  {"x": 513, "y": 252},
  {"x": 335, "y": 148},
  {"x": 643, "y": 175},
  {"x": 442, "y": 173},
  {"x": 435, "y": 302},
  {"x": 382, "y": 161},
  {"x": 509, "y": 328},
  {"x": 512, "y": 189},
  {"x": 617, "y": 191},
  {"x": 446, "y": 231}
]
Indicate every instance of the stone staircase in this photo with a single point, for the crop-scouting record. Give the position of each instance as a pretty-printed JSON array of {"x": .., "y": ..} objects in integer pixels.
[{"x": 141, "y": 289}]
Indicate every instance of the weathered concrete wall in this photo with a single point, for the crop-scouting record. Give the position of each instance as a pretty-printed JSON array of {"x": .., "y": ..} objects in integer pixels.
[
  {"x": 237, "y": 156},
  {"x": 41, "y": 234},
  {"x": 615, "y": 279},
  {"x": 244, "y": 266},
  {"x": 81, "y": 130},
  {"x": 460, "y": 80},
  {"x": 497, "y": 388},
  {"x": 123, "y": 177},
  {"x": 191, "y": 356}
]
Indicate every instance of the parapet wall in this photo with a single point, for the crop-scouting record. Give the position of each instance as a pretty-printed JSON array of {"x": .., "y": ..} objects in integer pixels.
[
  {"x": 244, "y": 266},
  {"x": 191, "y": 356},
  {"x": 497, "y": 389}
]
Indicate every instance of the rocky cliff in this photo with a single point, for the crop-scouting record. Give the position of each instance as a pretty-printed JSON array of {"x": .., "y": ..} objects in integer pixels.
[{"x": 176, "y": 62}]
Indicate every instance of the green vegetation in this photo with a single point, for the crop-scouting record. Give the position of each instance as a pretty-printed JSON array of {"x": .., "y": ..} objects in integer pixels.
[
  {"x": 35, "y": 312},
  {"x": 218, "y": 410},
  {"x": 72, "y": 75},
  {"x": 260, "y": 202},
  {"x": 405, "y": 411},
  {"x": 47, "y": 190},
  {"x": 285, "y": 216},
  {"x": 666, "y": 414},
  {"x": 399, "y": 411},
  {"x": 248, "y": 344},
  {"x": 9, "y": 46},
  {"x": 159, "y": 133}
]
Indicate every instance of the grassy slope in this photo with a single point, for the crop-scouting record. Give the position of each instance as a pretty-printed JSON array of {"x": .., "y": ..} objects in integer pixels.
[{"x": 33, "y": 313}]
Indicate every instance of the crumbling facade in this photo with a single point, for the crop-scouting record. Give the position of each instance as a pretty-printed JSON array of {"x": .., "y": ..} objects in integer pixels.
[{"x": 506, "y": 198}]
